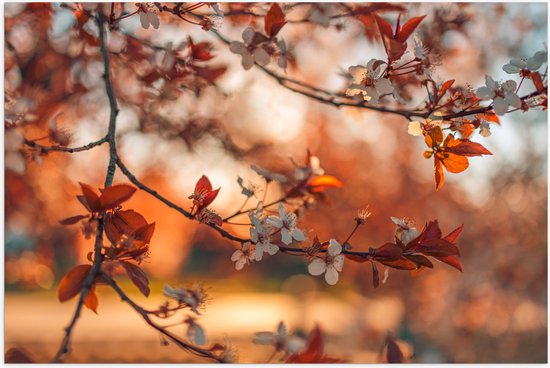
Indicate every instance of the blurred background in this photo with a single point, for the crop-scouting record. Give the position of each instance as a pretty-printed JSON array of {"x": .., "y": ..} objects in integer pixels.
[{"x": 493, "y": 312}]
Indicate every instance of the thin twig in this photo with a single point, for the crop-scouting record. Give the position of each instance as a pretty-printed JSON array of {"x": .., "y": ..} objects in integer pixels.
[
  {"x": 143, "y": 313},
  {"x": 46, "y": 149},
  {"x": 171, "y": 204}
]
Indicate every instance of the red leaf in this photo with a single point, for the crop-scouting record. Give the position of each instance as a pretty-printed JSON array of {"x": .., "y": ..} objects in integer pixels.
[
  {"x": 451, "y": 261},
  {"x": 437, "y": 248},
  {"x": 388, "y": 252},
  {"x": 138, "y": 277},
  {"x": 419, "y": 259},
  {"x": 465, "y": 147},
  {"x": 408, "y": 28},
  {"x": 203, "y": 186},
  {"x": 384, "y": 26},
  {"x": 115, "y": 195},
  {"x": 393, "y": 352},
  {"x": 445, "y": 87},
  {"x": 274, "y": 20},
  {"x": 400, "y": 264},
  {"x": 91, "y": 301},
  {"x": 313, "y": 352},
  {"x": 72, "y": 220},
  {"x": 90, "y": 199},
  {"x": 71, "y": 284},
  {"x": 431, "y": 231},
  {"x": 209, "y": 198},
  {"x": 453, "y": 235}
]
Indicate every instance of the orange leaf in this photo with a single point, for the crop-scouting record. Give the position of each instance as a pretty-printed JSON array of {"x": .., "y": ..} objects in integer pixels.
[
  {"x": 71, "y": 283},
  {"x": 138, "y": 277},
  {"x": 115, "y": 195},
  {"x": 445, "y": 87},
  {"x": 433, "y": 137},
  {"x": 453, "y": 163},
  {"x": 489, "y": 116},
  {"x": 123, "y": 222},
  {"x": 408, "y": 28},
  {"x": 274, "y": 20},
  {"x": 91, "y": 301},
  {"x": 322, "y": 182},
  {"x": 90, "y": 199},
  {"x": 537, "y": 81},
  {"x": 388, "y": 252}
]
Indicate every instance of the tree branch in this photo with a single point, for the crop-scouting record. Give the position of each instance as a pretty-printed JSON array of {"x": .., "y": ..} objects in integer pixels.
[
  {"x": 98, "y": 258},
  {"x": 171, "y": 204}
]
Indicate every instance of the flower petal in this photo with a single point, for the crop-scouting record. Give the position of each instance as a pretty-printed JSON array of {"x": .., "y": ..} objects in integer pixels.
[
  {"x": 383, "y": 86},
  {"x": 339, "y": 263},
  {"x": 248, "y": 34},
  {"x": 511, "y": 69},
  {"x": 415, "y": 128},
  {"x": 334, "y": 248},
  {"x": 274, "y": 221},
  {"x": 237, "y": 47},
  {"x": 236, "y": 255},
  {"x": 317, "y": 267},
  {"x": 509, "y": 86},
  {"x": 484, "y": 93},
  {"x": 271, "y": 249},
  {"x": 261, "y": 56},
  {"x": 512, "y": 99},
  {"x": 358, "y": 73},
  {"x": 240, "y": 264},
  {"x": 331, "y": 276},
  {"x": 259, "y": 252},
  {"x": 500, "y": 106},
  {"x": 298, "y": 235},
  {"x": 248, "y": 60},
  {"x": 285, "y": 236}
]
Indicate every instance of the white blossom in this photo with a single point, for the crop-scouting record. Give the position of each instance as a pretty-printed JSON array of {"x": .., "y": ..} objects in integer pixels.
[
  {"x": 503, "y": 95},
  {"x": 281, "y": 340},
  {"x": 532, "y": 64},
  {"x": 250, "y": 53},
  {"x": 369, "y": 82},
  {"x": 194, "y": 297},
  {"x": 260, "y": 236},
  {"x": 405, "y": 229},
  {"x": 287, "y": 222},
  {"x": 330, "y": 265},
  {"x": 243, "y": 256}
]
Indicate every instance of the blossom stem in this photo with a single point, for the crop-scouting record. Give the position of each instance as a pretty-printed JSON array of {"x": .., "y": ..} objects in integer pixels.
[{"x": 357, "y": 224}]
